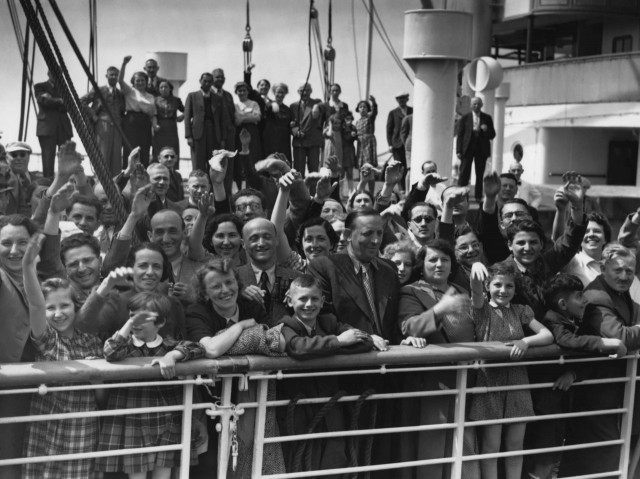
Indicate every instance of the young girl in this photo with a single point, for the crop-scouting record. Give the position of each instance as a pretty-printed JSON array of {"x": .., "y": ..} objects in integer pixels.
[
  {"x": 499, "y": 320},
  {"x": 367, "y": 148},
  {"x": 139, "y": 338},
  {"x": 52, "y": 314},
  {"x": 349, "y": 136}
]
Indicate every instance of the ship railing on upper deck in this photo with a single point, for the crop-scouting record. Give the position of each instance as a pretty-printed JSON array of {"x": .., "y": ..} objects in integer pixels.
[{"x": 232, "y": 375}]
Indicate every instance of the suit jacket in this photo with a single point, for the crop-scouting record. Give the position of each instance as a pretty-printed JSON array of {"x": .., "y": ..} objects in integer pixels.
[
  {"x": 465, "y": 132},
  {"x": 311, "y": 127},
  {"x": 52, "y": 115},
  {"x": 114, "y": 102},
  {"x": 394, "y": 122},
  {"x": 284, "y": 276},
  {"x": 194, "y": 116},
  {"x": 345, "y": 297},
  {"x": 229, "y": 112}
]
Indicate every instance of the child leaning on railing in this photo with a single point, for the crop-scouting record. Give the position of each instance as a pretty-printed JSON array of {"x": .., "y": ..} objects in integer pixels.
[
  {"x": 139, "y": 338},
  {"x": 52, "y": 315}
]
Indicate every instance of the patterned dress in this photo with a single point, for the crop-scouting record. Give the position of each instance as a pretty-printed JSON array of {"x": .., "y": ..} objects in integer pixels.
[
  {"x": 147, "y": 429},
  {"x": 69, "y": 436},
  {"x": 499, "y": 323},
  {"x": 367, "y": 146}
]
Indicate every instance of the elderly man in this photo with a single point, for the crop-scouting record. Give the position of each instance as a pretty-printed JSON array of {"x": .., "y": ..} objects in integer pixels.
[
  {"x": 526, "y": 190},
  {"x": 473, "y": 143},
  {"x": 151, "y": 69},
  {"x": 610, "y": 313},
  {"x": 262, "y": 277},
  {"x": 309, "y": 115}
]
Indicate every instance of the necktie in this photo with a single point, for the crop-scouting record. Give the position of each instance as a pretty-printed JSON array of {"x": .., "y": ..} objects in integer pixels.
[
  {"x": 367, "y": 282},
  {"x": 265, "y": 286},
  {"x": 230, "y": 322}
]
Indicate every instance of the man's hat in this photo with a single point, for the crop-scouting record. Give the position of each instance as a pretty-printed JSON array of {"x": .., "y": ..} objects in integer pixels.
[
  {"x": 18, "y": 146},
  {"x": 402, "y": 95}
]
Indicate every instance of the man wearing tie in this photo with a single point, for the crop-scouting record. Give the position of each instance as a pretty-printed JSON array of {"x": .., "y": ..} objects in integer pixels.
[
  {"x": 473, "y": 143},
  {"x": 153, "y": 83},
  {"x": 394, "y": 136},
  {"x": 106, "y": 117}
]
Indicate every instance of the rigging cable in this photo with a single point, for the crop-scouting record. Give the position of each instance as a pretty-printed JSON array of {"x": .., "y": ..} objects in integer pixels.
[
  {"x": 329, "y": 51},
  {"x": 23, "y": 88},
  {"x": 312, "y": 12},
  {"x": 247, "y": 42},
  {"x": 355, "y": 49}
]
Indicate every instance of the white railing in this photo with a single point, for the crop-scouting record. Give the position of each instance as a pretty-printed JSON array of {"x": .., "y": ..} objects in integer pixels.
[{"x": 254, "y": 373}]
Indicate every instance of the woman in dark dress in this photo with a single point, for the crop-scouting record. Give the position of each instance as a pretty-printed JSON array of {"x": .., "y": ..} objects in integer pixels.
[
  {"x": 167, "y": 107},
  {"x": 276, "y": 136}
]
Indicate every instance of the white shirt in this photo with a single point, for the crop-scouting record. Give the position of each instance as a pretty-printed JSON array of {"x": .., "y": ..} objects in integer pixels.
[
  {"x": 476, "y": 121},
  {"x": 584, "y": 267},
  {"x": 529, "y": 193},
  {"x": 271, "y": 274}
]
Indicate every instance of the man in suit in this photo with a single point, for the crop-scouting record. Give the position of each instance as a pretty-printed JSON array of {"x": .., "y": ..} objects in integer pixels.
[
  {"x": 54, "y": 127},
  {"x": 473, "y": 143},
  {"x": 204, "y": 123},
  {"x": 610, "y": 313},
  {"x": 360, "y": 288},
  {"x": 153, "y": 82},
  {"x": 394, "y": 125},
  {"x": 109, "y": 137},
  {"x": 309, "y": 114},
  {"x": 263, "y": 279},
  {"x": 229, "y": 111}
]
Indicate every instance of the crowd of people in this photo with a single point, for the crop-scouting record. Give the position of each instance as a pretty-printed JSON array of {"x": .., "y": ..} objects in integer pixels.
[{"x": 272, "y": 249}]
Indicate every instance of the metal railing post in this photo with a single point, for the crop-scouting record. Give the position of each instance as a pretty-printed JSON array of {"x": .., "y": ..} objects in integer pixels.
[
  {"x": 223, "y": 443},
  {"x": 187, "y": 413},
  {"x": 459, "y": 418},
  {"x": 627, "y": 416},
  {"x": 258, "y": 437}
]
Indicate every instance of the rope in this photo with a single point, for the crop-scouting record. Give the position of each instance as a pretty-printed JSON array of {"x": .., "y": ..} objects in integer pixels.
[
  {"x": 23, "y": 89},
  {"x": 312, "y": 11},
  {"x": 354, "y": 441},
  {"x": 85, "y": 134},
  {"x": 355, "y": 49},
  {"x": 316, "y": 421}
]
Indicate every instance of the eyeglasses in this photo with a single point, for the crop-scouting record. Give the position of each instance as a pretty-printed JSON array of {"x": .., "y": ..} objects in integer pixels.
[
  {"x": 515, "y": 214},
  {"x": 426, "y": 219},
  {"x": 253, "y": 206},
  {"x": 19, "y": 154}
]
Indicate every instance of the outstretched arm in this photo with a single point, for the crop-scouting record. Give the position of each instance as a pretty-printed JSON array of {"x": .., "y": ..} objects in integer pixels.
[{"x": 33, "y": 293}]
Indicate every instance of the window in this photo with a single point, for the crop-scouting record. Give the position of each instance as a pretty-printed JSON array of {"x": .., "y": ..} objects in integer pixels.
[{"x": 622, "y": 44}]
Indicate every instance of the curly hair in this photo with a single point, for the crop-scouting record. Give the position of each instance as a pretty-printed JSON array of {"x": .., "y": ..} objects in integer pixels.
[
  {"x": 316, "y": 221},
  {"x": 215, "y": 265}
]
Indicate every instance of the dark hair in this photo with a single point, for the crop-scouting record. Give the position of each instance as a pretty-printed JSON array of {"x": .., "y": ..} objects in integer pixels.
[
  {"x": 19, "y": 220},
  {"x": 113, "y": 69},
  {"x": 264, "y": 80},
  {"x": 216, "y": 265},
  {"x": 354, "y": 215},
  {"x": 519, "y": 201},
  {"x": 602, "y": 221},
  {"x": 316, "y": 221},
  {"x": 465, "y": 229},
  {"x": 527, "y": 226},
  {"x": 440, "y": 245},
  {"x": 213, "y": 226},
  {"x": 198, "y": 173},
  {"x": 511, "y": 176},
  {"x": 168, "y": 83},
  {"x": 87, "y": 201},
  {"x": 353, "y": 198},
  {"x": 78, "y": 240},
  {"x": 421, "y": 203},
  {"x": 503, "y": 268},
  {"x": 165, "y": 148},
  {"x": 249, "y": 192},
  {"x": 206, "y": 74},
  {"x": 560, "y": 286},
  {"x": 167, "y": 272},
  {"x": 153, "y": 302},
  {"x": 139, "y": 74},
  {"x": 363, "y": 102}
]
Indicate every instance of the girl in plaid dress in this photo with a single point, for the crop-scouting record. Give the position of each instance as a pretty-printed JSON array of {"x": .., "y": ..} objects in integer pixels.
[
  {"x": 139, "y": 338},
  {"x": 366, "y": 127},
  {"x": 52, "y": 314}
]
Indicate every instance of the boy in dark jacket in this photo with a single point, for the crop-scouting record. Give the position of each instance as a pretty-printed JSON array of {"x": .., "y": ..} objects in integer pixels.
[
  {"x": 563, "y": 295},
  {"x": 309, "y": 334}
]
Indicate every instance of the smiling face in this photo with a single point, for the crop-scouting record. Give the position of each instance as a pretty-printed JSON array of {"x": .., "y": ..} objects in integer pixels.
[
  {"x": 315, "y": 242},
  {"x": 19, "y": 161},
  {"x": 594, "y": 239},
  {"x": 306, "y": 303},
  {"x": 226, "y": 240},
  {"x": 159, "y": 179},
  {"x": 366, "y": 237},
  {"x": 423, "y": 223},
  {"x": 526, "y": 247},
  {"x": 196, "y": 187},
  {"x": 60, "y": 311},
  {"x": 13, "y": 244},
  {"x": 112, "y": 77},
  {"x": 85, "y": 217},
  {"x": 166, "y": 230},
  {"x": 618, "y": 272},
  {"x": 139, "y": 83},
  {"x": 151, "y": 68},
  {"x": 437, "y": 267},
  {"x": 501, "y": 289},
  {"x": 263, "y": 87},
  {"x": 404, "y": 263},
  {"x": 222, "y": 289},
  {"x": 147, "y": 270},
  {"x": 512, "y": 212},
  {"x": 468, "y": 249},
  {"x": 242, "y": 93},
  {"x": 82, "y": 266},
  {"x": 260, "y": 241}
]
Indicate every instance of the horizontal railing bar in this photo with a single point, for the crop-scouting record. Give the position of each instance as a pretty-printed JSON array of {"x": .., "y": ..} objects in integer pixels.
[
  {"x": 543, "y": 450},
  {"x": 517, "y": 387},
  {"x": 100, "y": 413},
  {"x": 595, "y": 475},
  {"x": 88, "y": 455},
  {"x": 546, "y": 417}
]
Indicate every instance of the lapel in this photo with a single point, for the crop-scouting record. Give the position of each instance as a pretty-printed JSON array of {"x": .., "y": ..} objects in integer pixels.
[
  {"x": 200, "y": 99},
  {"x": 246, "y": 275},
  {"x": 381, "y": 289},
  {"x": 351, "y": 285}
]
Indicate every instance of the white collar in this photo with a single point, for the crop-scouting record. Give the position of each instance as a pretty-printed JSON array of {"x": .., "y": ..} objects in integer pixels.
[
  {"x": 151, "y": 344},
  {"x": 496, "y": 305},
  {"x": 585, "y": 260}
]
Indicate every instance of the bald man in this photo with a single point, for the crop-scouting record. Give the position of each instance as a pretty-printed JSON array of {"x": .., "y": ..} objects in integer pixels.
[
  {"x": 526, "y": 191},
  {"x": 263, "y": 278}
]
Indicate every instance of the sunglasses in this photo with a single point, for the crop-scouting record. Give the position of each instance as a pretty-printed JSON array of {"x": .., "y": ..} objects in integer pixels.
[
  {"x": 19, "y": 154},
  {"x": 426, "y": 219}
]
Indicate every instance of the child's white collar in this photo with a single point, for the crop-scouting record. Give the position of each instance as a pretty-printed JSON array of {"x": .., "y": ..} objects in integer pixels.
[
  {"x": 496, "y": 305},
  {"x": 151, "y": 344}
]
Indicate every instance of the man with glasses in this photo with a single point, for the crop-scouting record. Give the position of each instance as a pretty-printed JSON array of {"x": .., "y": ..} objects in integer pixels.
[
  {"x": 248, "y": 204},
  {"x": 423, "y": 219}
]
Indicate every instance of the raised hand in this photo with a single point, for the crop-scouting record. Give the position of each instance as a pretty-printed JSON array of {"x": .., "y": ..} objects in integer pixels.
[
  {"x": 455, "y": 195},
  {"x": 121, "y": 276},
  {"x": 452, "y": 302},
  {"x": 324, "y": 188},
  {"x": 366, "y": 172},
  {"x": 133, "y": 161},
  {"x": 126, "y": 59},
  {"x": 479, "y": 272},
  {"x": 139, "y": 179},
  {"x": 62, "y": 198},
  {"x": 68, "y": 159},
  {"x": 206, "y": 204},
  {"x": 560, "y": 199},
  {"x": 30, "y": 256},
  {"x": 491, "y": 184},
  {"x": 393, "y": 172},
  {"x": 431, "y": 179},
  {"x": 332, "y": 164},
  {"x": 141, "y": 201},
  {"x": 287, "y": 180},
  {"x": 574, "y": 193},
  {"x": 245, "y": 140}
]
